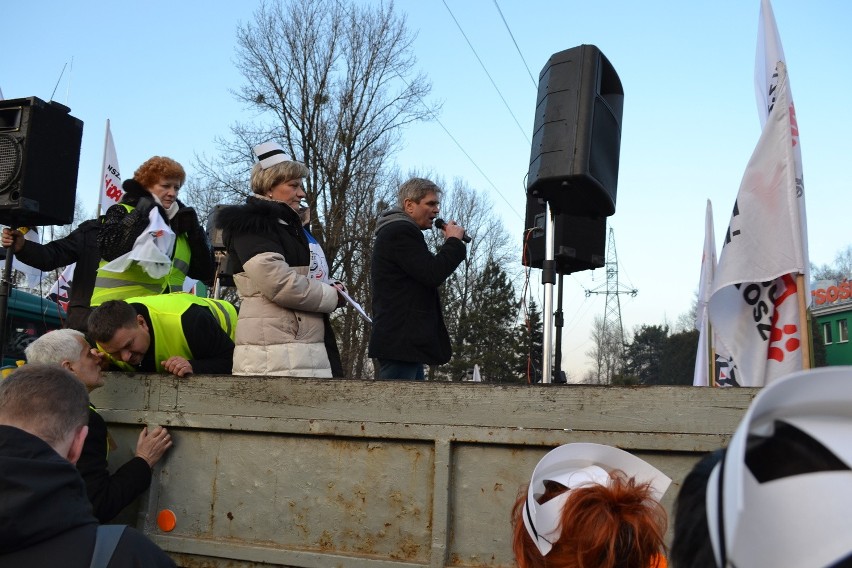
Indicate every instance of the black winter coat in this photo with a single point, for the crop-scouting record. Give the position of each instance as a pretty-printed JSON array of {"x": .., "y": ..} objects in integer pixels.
[
  {"x": 45, "y": 516},
  {"x": 80, "y": 246},
  {"x": 407, "y": 321},
  {"x": 109, "y": 494},
  {"x": 254, "y": 228}
]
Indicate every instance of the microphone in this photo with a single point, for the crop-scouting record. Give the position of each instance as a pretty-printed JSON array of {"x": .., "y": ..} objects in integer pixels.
[{"x": 440, "y": 224}]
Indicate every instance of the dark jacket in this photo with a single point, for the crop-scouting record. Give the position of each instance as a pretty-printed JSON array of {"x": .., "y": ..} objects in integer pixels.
[
  {"x": 109, "y": 494},
  {"x": 121, "y": 228},
  {"x": 80, "y": 246},
  {"x": 45, "y": 516},
  {"x": 407, "y": 321}
]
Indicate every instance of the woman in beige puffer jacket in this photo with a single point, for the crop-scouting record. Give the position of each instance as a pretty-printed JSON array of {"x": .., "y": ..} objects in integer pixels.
[{"x": 283, "y": 327}]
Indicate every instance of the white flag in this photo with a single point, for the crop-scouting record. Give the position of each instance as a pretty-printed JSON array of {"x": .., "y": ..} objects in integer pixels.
[
  {"x": 769, "y": 53},
  {"x": 754, "y": 307},
  {"x": 61, "y": 289},
  {"x": 33, "y": 275},
  {"x": 111, "y": 192},
  {"x": 708, "y": 268}
]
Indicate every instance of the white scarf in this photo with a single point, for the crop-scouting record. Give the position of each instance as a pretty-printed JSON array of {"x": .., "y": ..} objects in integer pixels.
[{"x": 171, "y": 211}]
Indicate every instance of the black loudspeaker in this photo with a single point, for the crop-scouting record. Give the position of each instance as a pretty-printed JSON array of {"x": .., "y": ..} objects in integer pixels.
[
  {"x": 577, "y": 133},
  {"x": 39, "y": 158},
  {"x": 579, "y": 242}
]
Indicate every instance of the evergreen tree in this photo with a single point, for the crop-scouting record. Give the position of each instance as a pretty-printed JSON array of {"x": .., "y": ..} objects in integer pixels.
[
  {"x": 679, "y": 358},
  {"x": 485, "y": 333},
  {"x": 643, "y": 356},
  {"x": 818, "y": 347},
  {"x": 490, "y": 243},
  {"x": 530, "y": 345}
]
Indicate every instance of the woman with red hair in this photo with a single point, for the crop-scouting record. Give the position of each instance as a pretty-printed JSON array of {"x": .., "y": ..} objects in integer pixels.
[{"x": 591, "y": 506}]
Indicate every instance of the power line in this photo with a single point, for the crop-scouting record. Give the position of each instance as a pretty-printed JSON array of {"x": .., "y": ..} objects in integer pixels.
[
  {"x": 523, "y": 133},
  {"x": 518, "y": 49},
  {"x": 512, "y": 207}
]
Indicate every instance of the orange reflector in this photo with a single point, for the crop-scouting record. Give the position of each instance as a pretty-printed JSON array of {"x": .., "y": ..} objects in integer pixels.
[{"x": 166, "y": 520}]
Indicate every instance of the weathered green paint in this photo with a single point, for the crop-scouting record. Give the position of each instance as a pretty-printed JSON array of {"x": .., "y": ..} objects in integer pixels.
[{"x": 324, "y": 473}]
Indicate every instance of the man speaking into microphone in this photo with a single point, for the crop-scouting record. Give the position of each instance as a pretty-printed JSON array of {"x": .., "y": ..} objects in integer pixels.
[{"x": 408, "y": 326}]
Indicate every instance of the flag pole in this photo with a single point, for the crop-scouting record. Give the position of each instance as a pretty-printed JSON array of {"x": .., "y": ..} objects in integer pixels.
[
  {"x": 803, "y": 318},
  {"x": 711, "y": 356},
  {"x": 103, "y": 170}
]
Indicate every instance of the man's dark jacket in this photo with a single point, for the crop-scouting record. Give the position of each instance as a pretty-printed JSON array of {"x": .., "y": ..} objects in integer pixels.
[
  {"x": 45, "y": 516},
  {"x": 407, "y": 321},
  {"x": 80, "y": 246},
  {"x": 109, "y": 494}
]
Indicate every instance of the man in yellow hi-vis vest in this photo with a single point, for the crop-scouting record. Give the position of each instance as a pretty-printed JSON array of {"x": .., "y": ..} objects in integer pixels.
[{"x": 169, "y": 333}]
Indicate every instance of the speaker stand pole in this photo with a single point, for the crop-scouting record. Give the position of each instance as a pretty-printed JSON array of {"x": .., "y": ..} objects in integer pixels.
[
  {"x": 5, "y": 291},
  {"x": 548, "y": 277},
  {"x": 558, "y": 323}
]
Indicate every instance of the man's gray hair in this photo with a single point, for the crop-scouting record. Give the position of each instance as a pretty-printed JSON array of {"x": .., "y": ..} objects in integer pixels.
[
  {"x": 416, "y": 189},
  {"x": 55, "y": 347}
]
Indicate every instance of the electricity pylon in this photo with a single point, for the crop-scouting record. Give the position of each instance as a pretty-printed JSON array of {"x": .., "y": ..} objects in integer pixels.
[{"x": 613, "y": 332}]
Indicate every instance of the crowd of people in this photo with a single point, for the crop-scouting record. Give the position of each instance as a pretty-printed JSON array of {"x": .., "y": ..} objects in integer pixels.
[
  {"x": 127, "y": 311},
  {"x": 132, "y": 263},
  {"x": 774, "y": 497}
]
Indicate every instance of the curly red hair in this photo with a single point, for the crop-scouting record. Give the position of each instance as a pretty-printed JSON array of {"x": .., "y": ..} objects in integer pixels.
[
  {"x": 619, "y": 525},
  {"x": 159, "y": 167}
]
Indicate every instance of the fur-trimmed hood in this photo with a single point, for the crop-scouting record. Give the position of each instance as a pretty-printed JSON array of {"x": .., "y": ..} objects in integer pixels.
[{"x": 257, "y": 216}]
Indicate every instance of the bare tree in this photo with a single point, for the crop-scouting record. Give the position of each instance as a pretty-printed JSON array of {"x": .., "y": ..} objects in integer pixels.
[
  {"x": 686, "y": 321},
  {"x": 840, "y": 270},
  {"x": 605, "y": 353},
  {"x": 334, "y": 83}
]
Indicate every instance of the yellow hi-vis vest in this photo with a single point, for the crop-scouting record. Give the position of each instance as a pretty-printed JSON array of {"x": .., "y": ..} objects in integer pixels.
[
  {"x": 165, "y": 312},
  {"x": 135, "y": 282}
]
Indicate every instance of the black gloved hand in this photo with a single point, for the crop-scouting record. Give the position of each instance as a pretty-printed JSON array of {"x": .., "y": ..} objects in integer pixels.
[{"x": 144, "y": 206}]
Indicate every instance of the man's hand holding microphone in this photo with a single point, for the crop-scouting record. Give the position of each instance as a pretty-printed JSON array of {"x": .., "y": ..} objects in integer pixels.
[{"x": 451, "y": 229}]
